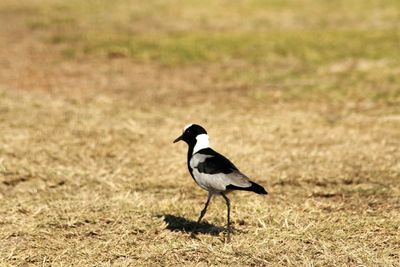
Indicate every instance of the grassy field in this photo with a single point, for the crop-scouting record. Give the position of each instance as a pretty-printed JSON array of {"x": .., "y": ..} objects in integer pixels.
[{"x": 303, "y": 96}]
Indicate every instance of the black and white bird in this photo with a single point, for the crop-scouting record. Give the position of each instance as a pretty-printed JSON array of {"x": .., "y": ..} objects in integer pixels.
[{"x": 212, "y": 171}]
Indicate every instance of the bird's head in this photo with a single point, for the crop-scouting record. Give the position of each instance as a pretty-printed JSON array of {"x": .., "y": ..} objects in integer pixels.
[{"x": 192, "y": 134}]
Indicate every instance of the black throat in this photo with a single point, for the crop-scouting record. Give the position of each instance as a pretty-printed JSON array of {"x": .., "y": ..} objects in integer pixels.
[{"x": 191, "y": 145}]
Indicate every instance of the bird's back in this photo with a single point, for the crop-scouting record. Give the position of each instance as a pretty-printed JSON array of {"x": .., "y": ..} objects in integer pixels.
[{"x": 214, "y": 172}]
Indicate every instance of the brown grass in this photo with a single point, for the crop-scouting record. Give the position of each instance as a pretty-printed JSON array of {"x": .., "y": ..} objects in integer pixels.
[{"x": 89, "y": 175}]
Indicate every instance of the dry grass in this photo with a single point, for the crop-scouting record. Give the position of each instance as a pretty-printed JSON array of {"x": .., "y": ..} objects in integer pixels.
[{"x": 93, "y": 93}]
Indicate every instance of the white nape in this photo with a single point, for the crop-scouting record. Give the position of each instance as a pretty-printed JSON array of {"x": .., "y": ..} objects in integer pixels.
[
  {"x": 202, "y": 142},
  {"x": 187, "y": 126}
]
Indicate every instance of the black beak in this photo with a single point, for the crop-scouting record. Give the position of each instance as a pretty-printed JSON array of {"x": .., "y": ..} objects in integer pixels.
[{"x": 178, "y": 139}]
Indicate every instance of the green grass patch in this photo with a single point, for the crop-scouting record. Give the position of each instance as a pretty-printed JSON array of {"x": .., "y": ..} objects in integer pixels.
[
  {"x": 309, "y": 47},
  {"x": 290, "y": 49}
]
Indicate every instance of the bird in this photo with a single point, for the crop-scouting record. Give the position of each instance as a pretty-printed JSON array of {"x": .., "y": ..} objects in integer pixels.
[{"x": 212, "y": 171}]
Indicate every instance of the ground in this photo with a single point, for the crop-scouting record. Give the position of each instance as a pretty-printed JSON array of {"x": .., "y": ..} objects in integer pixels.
[{"x": 303, "y": 96}]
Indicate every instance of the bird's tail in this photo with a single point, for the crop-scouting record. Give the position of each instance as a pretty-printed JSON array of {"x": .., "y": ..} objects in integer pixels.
[{"x": 256, "y": 188}]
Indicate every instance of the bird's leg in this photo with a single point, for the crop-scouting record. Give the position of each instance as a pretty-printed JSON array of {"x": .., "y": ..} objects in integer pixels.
[
  {"x": 228, "y": 204},
  {"x": 204, "y": 210},
  {"x": 202, "y": 213}
]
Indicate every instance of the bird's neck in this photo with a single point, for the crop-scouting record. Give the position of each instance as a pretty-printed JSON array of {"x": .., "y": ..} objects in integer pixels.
[{"x": 201, "y": 143}]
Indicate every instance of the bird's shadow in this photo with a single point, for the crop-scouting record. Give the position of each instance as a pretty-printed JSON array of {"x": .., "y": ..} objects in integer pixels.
[{"x": 180, "y": 224}]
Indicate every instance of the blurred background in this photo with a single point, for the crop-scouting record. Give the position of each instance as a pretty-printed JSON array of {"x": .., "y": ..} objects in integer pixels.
[
  {"x": 304, "y": 96},
  {"x": 264, "y": 50}
]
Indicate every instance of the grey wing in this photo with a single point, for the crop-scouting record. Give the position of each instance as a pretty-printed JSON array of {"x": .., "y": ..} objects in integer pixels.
[
  {"x": 219, "y": 182},
  {"x": 236, "y": 178},
  {"x": 212, "y": 180}
]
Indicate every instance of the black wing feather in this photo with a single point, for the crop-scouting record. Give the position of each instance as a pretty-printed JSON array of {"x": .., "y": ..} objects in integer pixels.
[
  {"x": 219, "y": 164},
  {"x": 215, "y": 164}
]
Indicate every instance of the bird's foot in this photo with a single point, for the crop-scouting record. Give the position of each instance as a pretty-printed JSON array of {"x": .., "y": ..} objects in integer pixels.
[
  {"x": 194, "y": 236},
  {"x": 228, "y": 231},
  {"x": 228, "y": 237}
]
